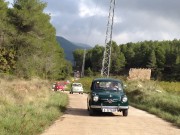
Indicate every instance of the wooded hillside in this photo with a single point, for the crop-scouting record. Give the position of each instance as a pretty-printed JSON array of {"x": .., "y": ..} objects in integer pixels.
[
  {"x": 28, "y": 47},
  {"x": 163, "y": 57}
]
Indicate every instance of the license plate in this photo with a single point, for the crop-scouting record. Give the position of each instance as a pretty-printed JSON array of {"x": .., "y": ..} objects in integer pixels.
[{"x": 108, "y": 110}]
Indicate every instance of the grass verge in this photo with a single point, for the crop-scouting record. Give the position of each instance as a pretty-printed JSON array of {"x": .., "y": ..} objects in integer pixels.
[
  {"x": 28, "y": 107},
  {"x": 149, "y": 96}
]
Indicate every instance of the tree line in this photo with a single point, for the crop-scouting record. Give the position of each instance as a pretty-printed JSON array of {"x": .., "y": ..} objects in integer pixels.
[
  {"x": 162, "y": 57},
  {"x": 28, "y": 48},
  {"x": 28, "y": 45}
]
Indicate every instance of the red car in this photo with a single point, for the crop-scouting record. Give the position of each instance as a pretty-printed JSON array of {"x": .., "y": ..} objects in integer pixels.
[{"x": 59, "y": 86}]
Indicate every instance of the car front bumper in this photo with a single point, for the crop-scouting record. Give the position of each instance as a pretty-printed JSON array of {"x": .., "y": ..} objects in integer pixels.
[
  {"x": 77, "y": 91},
  {"x": 110, "y": 107}
]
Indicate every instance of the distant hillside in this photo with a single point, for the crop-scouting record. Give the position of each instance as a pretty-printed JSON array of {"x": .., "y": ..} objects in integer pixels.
[
  {"x": 69, "y": 47},
  {"x": 85, "y": 46}
]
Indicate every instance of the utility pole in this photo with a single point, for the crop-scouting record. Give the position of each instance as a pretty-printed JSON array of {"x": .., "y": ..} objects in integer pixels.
[
  {"x": 84, "y": 57},
  {"x": 108, "y": 41}
]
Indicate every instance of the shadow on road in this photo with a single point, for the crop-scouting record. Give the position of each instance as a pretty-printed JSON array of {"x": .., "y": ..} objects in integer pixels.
[
  {"x": 77, "y": 111},
  {"x": 84, "y": 112}
]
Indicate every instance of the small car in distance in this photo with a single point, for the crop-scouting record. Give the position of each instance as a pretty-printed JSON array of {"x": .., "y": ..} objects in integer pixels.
[
  {"x": 76, "y": 88},
  {"x": 107, "y": 95},
  {"x": 59, "y": 86}
]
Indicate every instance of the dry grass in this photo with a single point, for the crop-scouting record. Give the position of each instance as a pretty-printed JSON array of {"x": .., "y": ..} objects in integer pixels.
[
  {"x": 27, "y": 107},
  {"x": 170, "y": 86},
  {"x": 21, "y": 91},
  {"x": 154, "y": 98}
]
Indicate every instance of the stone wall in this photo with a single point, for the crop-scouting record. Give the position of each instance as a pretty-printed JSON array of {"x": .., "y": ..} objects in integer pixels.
[{"x": 139, "y": 74}]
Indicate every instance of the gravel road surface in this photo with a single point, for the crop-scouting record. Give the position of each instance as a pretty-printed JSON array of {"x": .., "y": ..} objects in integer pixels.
[{"x": 76, "y": 121}]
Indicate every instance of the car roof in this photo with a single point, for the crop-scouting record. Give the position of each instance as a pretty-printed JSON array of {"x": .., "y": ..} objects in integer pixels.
[{"x": 106, "y": 79}]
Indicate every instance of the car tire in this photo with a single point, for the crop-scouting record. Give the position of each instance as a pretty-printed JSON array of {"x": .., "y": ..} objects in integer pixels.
[
  {"x": 87, "y": 105},
  {"x": 87, "y": 108},
  {"x": 125, "y": 112},
  {"x": 91, "y": 112}
]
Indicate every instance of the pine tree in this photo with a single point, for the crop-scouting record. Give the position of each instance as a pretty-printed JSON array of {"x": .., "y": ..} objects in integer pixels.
[
  {"x": 7, "y": 54},
  {"x": 151, "y": 62},
  {"x": 37, "y": 51}
]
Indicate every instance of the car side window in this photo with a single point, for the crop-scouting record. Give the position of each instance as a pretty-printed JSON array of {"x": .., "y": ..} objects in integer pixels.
[
  {"x": 96, "y": 84},
  {"x": 120, "y": 86}
]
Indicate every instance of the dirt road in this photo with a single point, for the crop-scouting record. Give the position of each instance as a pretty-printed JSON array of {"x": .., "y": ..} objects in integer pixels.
[{"x": 76, "y": 121}]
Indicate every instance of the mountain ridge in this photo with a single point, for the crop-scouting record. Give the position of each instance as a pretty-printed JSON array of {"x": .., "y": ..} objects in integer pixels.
[{"x": 69, "y": 47}]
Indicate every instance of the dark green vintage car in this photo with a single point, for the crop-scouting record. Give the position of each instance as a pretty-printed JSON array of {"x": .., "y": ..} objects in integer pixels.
[{"x": 107, "y": 95}]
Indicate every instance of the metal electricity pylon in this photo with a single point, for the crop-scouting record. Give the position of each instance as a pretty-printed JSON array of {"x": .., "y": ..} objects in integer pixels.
[
  {"x": 84, "y": 57},
  {"x": 108, "y": 41}
]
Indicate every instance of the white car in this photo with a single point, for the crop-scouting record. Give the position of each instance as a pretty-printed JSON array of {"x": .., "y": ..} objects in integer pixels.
[{"x": 76, "y": 88}]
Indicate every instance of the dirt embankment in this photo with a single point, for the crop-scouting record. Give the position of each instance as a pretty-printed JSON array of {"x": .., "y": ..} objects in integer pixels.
[{"x": 76, "y": 121}]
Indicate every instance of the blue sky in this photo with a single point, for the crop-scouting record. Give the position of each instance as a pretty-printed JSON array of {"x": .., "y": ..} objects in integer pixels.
[{"x": 84, "y": 21}]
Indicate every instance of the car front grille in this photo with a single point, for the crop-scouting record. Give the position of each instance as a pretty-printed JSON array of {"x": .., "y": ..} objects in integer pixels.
[{"x": 109, "y": 101}]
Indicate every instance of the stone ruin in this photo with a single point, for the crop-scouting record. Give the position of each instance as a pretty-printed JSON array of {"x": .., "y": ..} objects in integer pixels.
[{"x": 139, "y": 74}]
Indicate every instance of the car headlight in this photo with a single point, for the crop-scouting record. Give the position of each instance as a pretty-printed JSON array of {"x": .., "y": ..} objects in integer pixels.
[
  {"x": 124, "y": 99},
  {"x": 95, "y": 98}
]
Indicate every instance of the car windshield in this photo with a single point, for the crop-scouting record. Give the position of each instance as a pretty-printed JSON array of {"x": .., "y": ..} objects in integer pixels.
[
  {"x": 107, "y": 85},
  {"x": 59, "y": 84},
  {"x": 77, "y": 85}
]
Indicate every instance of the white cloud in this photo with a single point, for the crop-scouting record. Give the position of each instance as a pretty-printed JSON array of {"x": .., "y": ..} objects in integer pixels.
[
  {"x": 138, "y": 20},
  {"x": 84, "y": 11},
  {"x": 88, "y": 9},
  {"x": 10, "y": 3}
]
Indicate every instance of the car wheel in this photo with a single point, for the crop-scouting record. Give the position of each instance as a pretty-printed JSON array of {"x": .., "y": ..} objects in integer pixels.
[
  {"x": 125, "y": 112},
  {"x": 91, "y": 112},
  {"x": 87, "y": 105}
]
